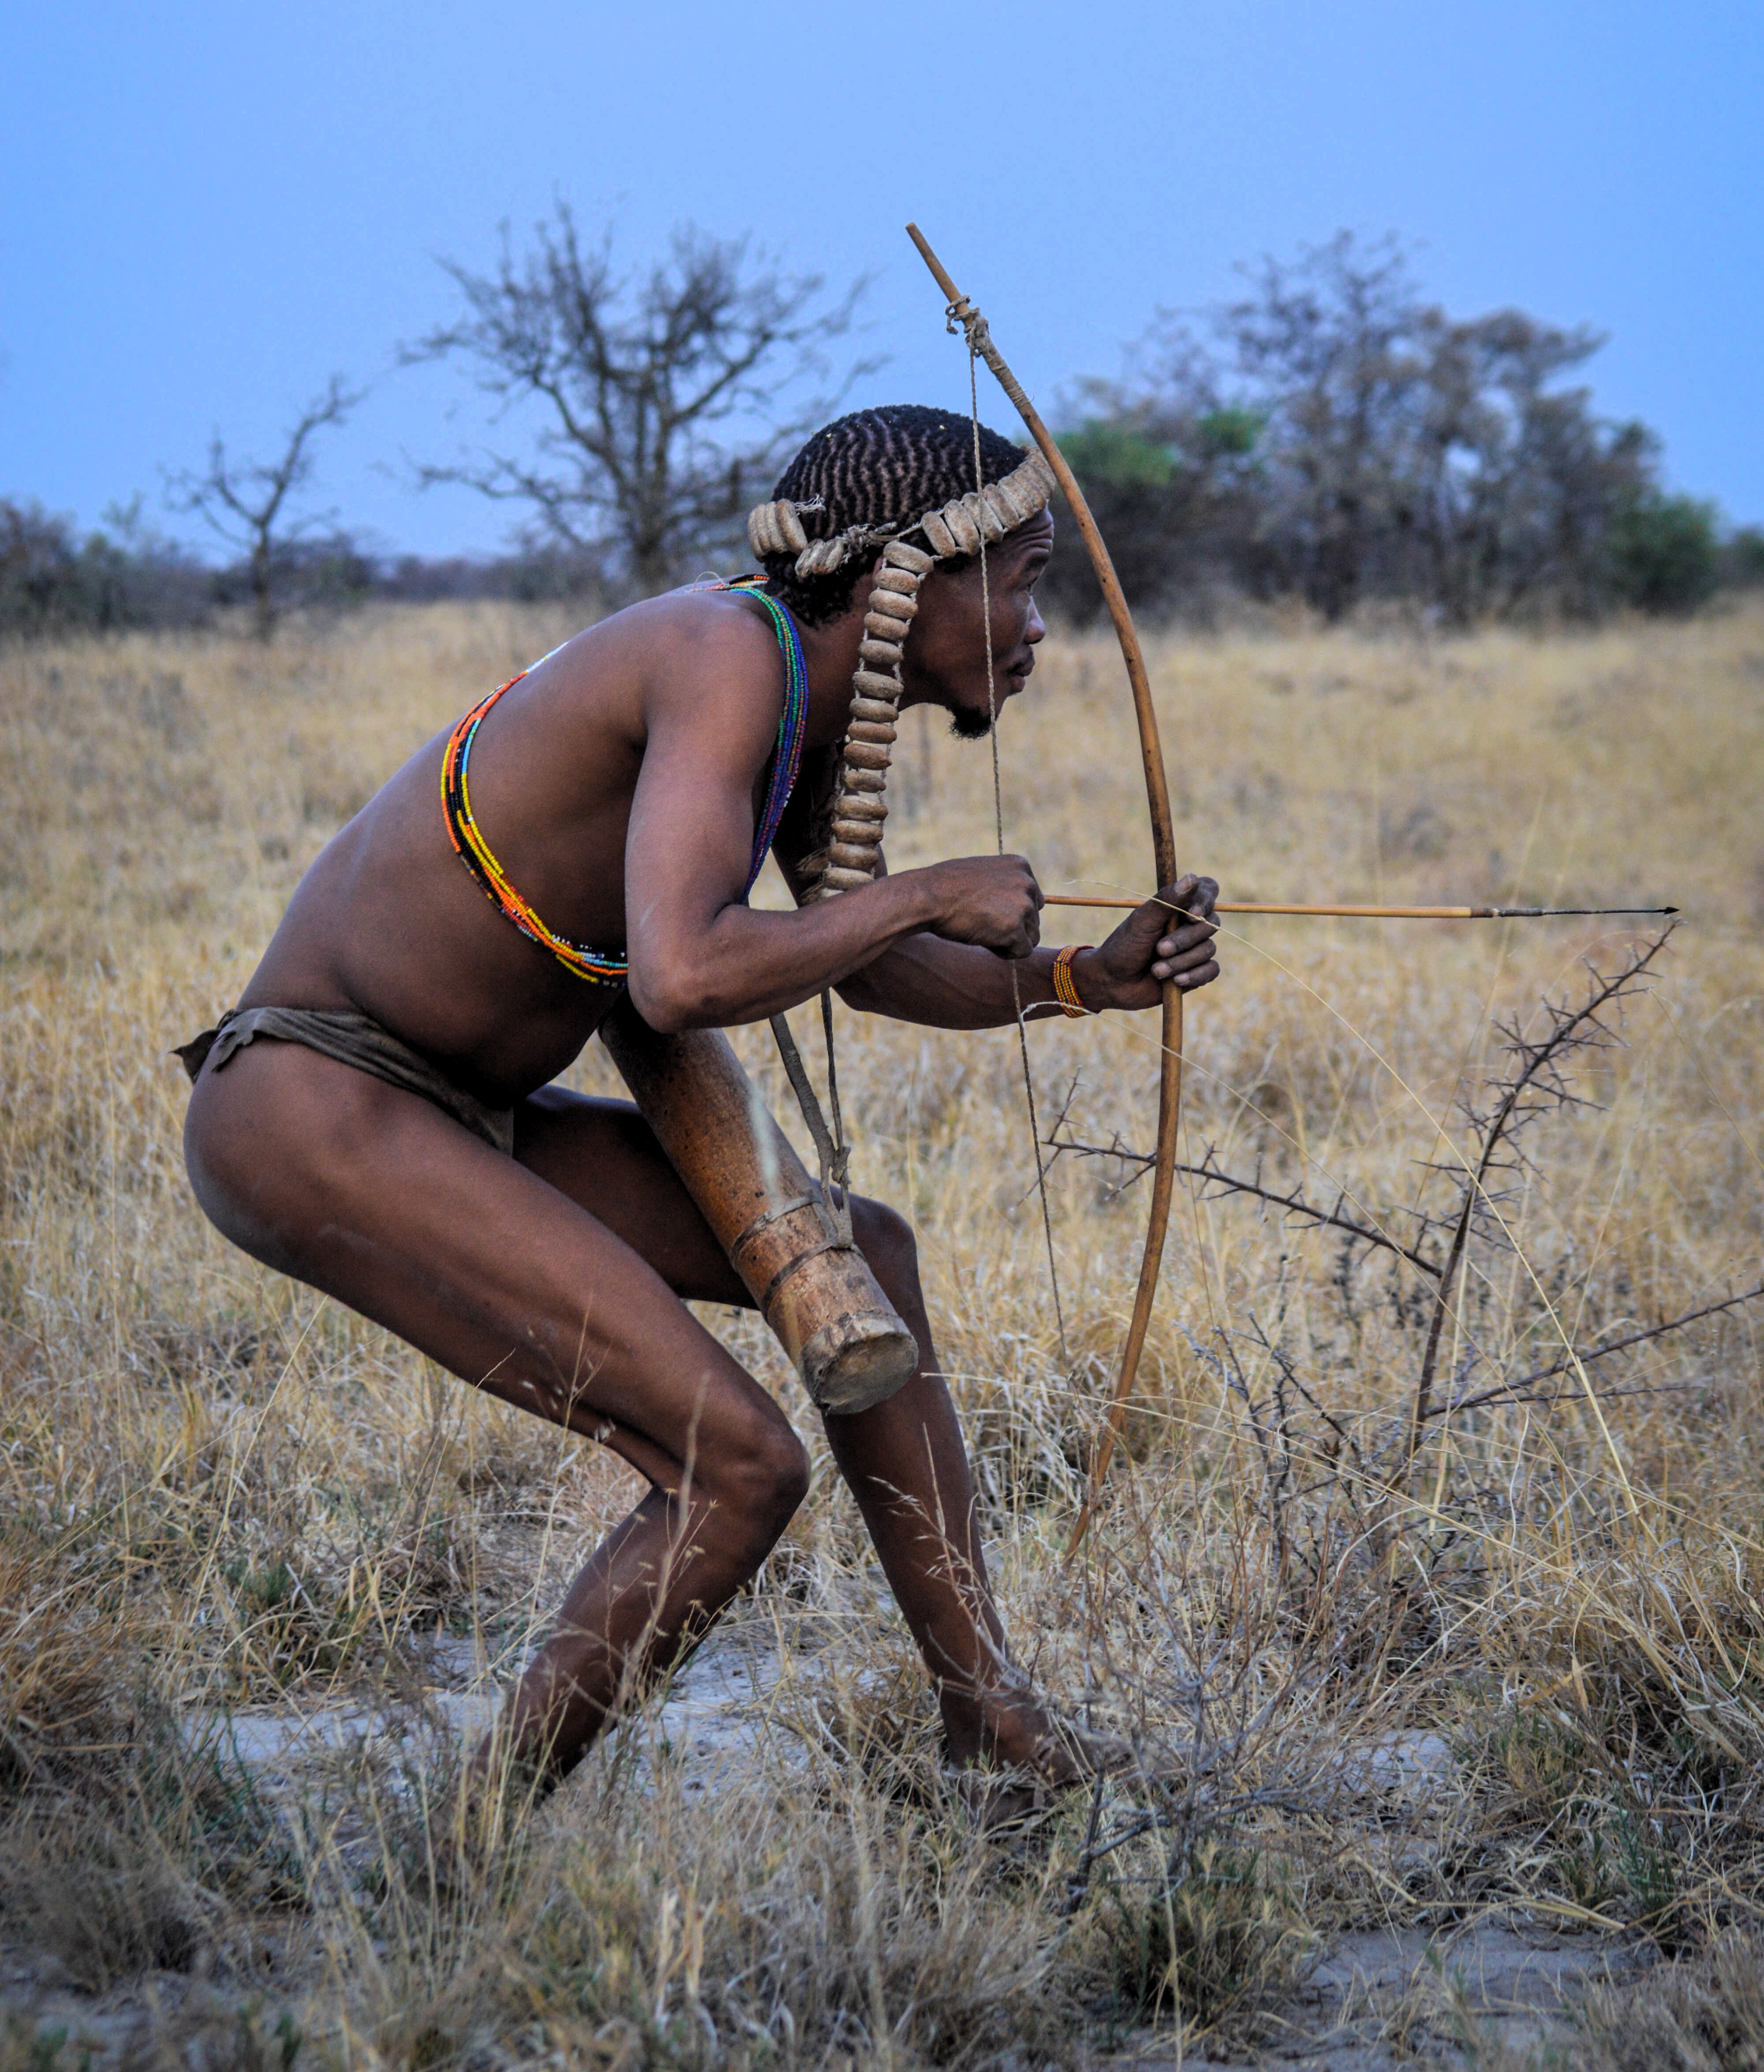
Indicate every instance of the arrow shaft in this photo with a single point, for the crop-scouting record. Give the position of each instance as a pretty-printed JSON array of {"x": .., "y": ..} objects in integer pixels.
[{"x": 1370, "y": 913}]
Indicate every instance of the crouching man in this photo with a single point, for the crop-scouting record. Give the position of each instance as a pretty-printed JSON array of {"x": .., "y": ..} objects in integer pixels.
[{"x": 376, "y": 1117}]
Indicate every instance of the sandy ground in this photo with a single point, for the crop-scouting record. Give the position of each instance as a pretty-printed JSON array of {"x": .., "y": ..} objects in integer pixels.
[
  {"x": 1382, "y": 1999},
  {"x": 1374, "y": 1999}
]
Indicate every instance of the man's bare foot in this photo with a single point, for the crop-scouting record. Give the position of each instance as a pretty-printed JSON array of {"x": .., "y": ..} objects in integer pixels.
[
  {"x": 1020, "y": 1731},
  {"x": 1032, "y": 1756},
  {"x": 1004, "y": 1801}
]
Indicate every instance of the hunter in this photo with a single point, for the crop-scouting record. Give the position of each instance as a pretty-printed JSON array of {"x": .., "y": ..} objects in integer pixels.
[{"x": 378, "y": 1118}]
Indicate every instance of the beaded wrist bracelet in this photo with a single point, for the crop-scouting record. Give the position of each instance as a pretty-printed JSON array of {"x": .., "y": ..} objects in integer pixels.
[{"x": 1065, "y": 987}]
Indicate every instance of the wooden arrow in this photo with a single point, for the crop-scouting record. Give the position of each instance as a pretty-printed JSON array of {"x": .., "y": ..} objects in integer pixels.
[{"x": 1365, "y": 913}]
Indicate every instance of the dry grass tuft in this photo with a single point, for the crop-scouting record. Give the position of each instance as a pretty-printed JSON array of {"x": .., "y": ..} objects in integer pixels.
[{"x": 1429, "y": 1582}]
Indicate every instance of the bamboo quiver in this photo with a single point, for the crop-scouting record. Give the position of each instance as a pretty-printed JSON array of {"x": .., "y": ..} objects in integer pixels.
[{"x": 817, "y": 1293}]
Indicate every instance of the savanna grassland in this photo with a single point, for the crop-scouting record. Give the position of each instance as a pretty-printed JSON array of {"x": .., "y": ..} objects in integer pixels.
[{"x": 1352, "y": 1521}]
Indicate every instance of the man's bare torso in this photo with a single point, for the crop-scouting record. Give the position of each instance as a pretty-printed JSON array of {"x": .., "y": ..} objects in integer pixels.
[{"x": 388, "y": 922}]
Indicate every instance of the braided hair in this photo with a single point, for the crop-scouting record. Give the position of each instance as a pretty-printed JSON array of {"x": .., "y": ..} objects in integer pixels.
[{"x": 877, "y": 467}]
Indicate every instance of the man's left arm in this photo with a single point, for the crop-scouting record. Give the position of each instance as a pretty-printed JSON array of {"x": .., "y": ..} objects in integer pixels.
[
  {"x": 949, "y": 986},
  {"x": 953, "y": 985},
  {"x": 943, "y": 985}
]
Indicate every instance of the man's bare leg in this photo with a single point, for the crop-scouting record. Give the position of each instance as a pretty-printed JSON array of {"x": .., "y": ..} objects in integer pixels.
[
  {"x": 905, "y": 1460},
  {"x": 376, "y": 1198},
  {"x": 551, "y": 1281},
  {"x": 907, "y": 1466}
]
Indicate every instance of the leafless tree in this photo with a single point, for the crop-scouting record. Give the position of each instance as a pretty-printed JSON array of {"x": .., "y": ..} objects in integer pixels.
[
  {"x": 245, "y": 501},
  {"x": 658, "y": 394}
]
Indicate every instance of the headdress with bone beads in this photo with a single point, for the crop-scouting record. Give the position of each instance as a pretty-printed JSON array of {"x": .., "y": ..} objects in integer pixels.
[{"x": 981, "y": 518}]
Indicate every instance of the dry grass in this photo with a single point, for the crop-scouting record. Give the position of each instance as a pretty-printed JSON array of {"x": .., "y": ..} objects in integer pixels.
[{"x": 222, "y": 1492}]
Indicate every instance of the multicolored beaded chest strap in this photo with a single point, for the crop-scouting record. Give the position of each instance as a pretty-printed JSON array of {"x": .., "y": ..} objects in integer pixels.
[{"x": 596, "y": 967}]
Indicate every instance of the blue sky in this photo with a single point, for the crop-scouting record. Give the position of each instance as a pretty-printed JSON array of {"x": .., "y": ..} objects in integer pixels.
[{"x": 207, "y": 209}]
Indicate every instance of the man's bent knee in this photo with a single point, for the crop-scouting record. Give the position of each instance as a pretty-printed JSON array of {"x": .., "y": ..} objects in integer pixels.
[
  {"x": 761, "y": 1477},
  {"x": 780, "y": 1477},
  {"x": 886, "y": 1239}
]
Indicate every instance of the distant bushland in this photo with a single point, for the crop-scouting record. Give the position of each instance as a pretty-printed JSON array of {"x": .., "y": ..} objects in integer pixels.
[
  {"x": 1332, "y": 435},
  {"x": 1329, "y": 438},
  {"x": 55, "y": 581}
]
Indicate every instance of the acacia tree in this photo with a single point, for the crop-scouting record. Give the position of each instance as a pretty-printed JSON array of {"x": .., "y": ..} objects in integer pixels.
[
  {"x": 1285, "y": 452},
  {"x": 245, "y": 501},
  {"x": 1170, "y": 466},
  {"x": 657, "y": 393}
]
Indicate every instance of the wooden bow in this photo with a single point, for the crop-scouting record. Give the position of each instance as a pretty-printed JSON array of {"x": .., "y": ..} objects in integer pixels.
[{"x": 1170, "y": 1084}]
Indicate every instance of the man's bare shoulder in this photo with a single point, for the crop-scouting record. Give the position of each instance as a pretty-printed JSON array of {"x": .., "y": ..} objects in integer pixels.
[
  {"x": 688, "y": 629},
  {"x": 708, "y": 656}
]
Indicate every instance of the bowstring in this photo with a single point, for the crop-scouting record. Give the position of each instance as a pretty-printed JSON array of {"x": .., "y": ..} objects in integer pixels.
[{"x": 998, "y": 831}]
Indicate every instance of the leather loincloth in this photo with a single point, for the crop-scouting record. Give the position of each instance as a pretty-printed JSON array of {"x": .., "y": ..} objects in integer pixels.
[{"x": 351, "y": 1039}]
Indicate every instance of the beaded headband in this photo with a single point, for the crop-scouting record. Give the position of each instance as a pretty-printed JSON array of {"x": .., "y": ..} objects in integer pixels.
[{"x": 981, "y": 518}]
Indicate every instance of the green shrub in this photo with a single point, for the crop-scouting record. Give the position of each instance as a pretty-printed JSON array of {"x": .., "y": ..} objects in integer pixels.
[{"x": 1665, "y": 552}]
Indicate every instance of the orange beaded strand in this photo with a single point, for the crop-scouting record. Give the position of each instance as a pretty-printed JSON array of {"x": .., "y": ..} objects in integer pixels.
[{"x": 1065, "y": 986}]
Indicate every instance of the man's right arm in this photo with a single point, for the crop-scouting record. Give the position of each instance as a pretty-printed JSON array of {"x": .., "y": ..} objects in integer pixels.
[{"x": 700, "y": 959}]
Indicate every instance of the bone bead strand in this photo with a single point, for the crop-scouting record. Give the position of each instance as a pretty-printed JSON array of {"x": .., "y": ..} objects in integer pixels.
[
  {"x": 775, "y": 528},
  {"x": 935, "y": 528},
  {"x": 856, "y": 845}
]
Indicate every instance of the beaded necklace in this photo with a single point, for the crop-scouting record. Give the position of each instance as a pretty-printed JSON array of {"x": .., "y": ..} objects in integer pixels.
[{"x": 596, "y": 967}]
